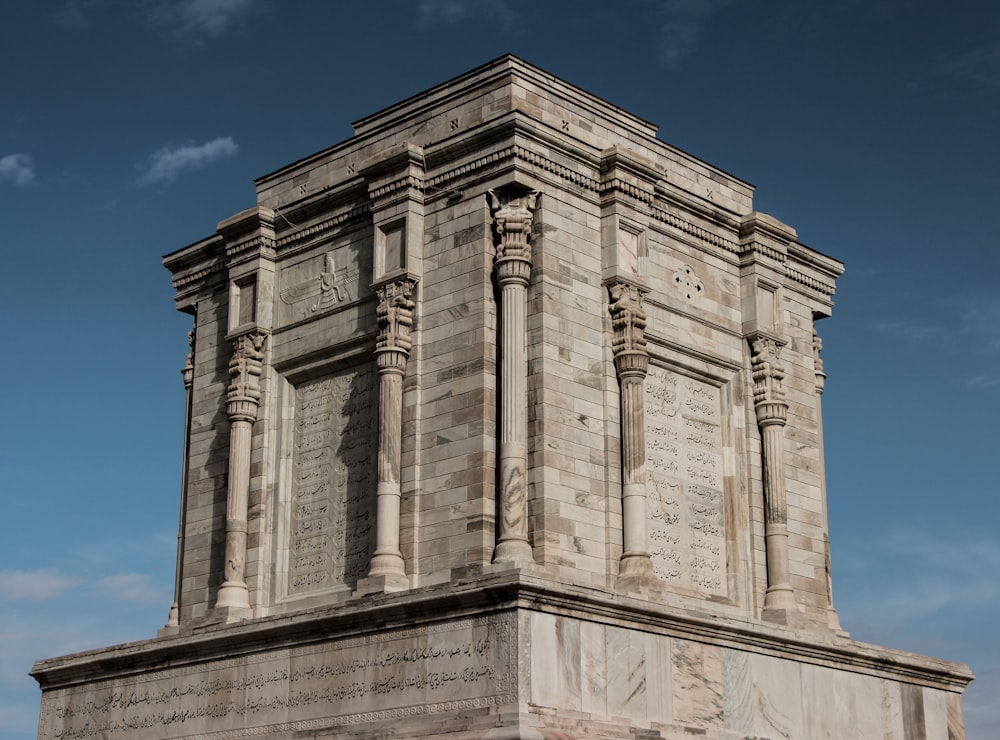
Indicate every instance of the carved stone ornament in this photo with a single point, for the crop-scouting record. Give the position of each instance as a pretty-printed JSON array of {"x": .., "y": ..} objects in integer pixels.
[
  {"x": 768, "y": 374},
  {"x": 688, "y": 283},
  {"x": 818, "y": 363},
  {"x": 512, "y": 218},
  {"x": 395, "y": 315},
  {"x": 245, "y": 369},
  {"x": 628, "y": 321},
  {"x": 187, "y": 372}
]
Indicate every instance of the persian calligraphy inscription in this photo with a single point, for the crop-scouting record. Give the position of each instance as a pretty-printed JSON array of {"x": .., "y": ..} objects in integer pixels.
[
  {"x": 332, "y": 517},
  {"x": 684, "y": 481},
  {"x": 394, "y": 673}
]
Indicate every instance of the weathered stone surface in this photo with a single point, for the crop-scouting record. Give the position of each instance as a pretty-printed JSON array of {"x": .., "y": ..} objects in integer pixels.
[{"x": 504, "y": 422}]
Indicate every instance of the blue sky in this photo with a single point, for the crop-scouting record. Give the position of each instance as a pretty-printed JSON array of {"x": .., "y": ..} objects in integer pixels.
[{"x": 130, "y": 127}]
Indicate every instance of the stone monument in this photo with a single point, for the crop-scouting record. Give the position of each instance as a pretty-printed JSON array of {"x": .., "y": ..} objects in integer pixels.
[{"x": 504, "y": 421}]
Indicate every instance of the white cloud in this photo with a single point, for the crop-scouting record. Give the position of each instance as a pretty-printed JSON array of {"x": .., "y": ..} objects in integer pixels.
[
  {"x": 198, "y": 19},
  {"x": 681, "y": 32},
  {"x": 48, "y": 583},
  {"x": 167, "y": 163},
  {"x": 135, "y": 587},
  {"x": 17, "y": 168}
]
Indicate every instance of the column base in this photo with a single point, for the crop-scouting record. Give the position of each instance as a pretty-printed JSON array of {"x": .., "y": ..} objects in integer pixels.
[
  {"x": 780, "y": 607},
  {"x": 516, "y": 552},
  {"x": 232, "y": 603},
  {"x": 833, "y": 622},
  {"x": 635, "y": 573},
  {"x": 382, "y": 584}
]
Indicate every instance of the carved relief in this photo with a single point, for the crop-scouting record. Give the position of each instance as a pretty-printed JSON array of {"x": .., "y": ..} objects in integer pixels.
[
  {"x": 187, "y": 372},
  {"x": 686, "y": 500},
  {"x": 512, "y": 217},
  {"x": 768, "y": 375},
  {"x": 688, "y": 283},
  {"x": 628, "y": 321},
  {"x": 318, "y": 286},
  {"x": 395, "y": 316},
  {"x": 245, "y": 369},
  {"x": 332, "y": 518},
  {"x": 818, "y": 363}
]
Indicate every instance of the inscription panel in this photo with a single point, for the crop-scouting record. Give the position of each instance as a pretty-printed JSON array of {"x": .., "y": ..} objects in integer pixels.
[
  {"x": 684, "y": 481},
  {"x": 397, "y": 673},
  {"x": 332, "y": 518}
]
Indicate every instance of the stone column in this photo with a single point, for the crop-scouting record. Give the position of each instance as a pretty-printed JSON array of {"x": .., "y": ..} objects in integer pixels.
[
  {"x": 187, "y": 373},
  {"x": 772, "y": 412},
  {"x": 512, "y": 217},
  {"x": 832, "y": 620},
  {"x": 395, "y": 319},
  {"x": 628, "y": 322},
  {"x": 243, "y": 400}
]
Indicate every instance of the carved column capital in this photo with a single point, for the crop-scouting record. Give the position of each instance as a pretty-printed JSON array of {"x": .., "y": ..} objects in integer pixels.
[
  {"x": 768, "y": 374},
  {"x": 818, "y": 363},
  {"x": 245, "y": 369},
  {"x": 395, "y": 321},
  {"x": 628, "y": 320},
  {"x": 512, "y": 218},
  {"x": 187, "y": 372}
]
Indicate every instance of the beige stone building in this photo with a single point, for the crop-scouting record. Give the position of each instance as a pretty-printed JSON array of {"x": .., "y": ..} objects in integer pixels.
[{"x": 504, "y": 421}]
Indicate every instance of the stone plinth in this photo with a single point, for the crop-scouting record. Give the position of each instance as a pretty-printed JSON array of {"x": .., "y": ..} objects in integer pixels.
[{"x": 508, "y": 657}]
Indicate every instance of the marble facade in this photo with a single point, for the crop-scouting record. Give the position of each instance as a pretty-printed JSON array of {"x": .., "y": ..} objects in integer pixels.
[{"x": 503, "y": 422}]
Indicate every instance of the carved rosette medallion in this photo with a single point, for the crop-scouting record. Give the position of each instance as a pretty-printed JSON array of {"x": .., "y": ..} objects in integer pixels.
[{"x": 245, "y": 369}]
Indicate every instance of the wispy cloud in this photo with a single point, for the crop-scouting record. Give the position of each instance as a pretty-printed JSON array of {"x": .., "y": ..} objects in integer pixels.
[
  {"x": 198, "y": 19},
  {"x": 680, "y": 33},
  {"x": 17, "y": 168},
  {"x": 980, "y": 65},
  {"x": 916, "y": 331},
  {"x": 34, "y": 585},
  {"x": 436, "y": 13},
  {"x": 76, "y": 13},
  {"x": 167, "y": 163},
  {"x": 135, "y": 587}
]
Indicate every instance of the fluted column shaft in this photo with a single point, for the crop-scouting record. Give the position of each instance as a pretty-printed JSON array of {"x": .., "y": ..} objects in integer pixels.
[
  {"x": 772, "y": 411},
  {"x": 243, "y": 402},
  {"x": 395, "y": 317},
  {"x": 512, "y": 221},
  {"x": 628, "y": 320}
]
